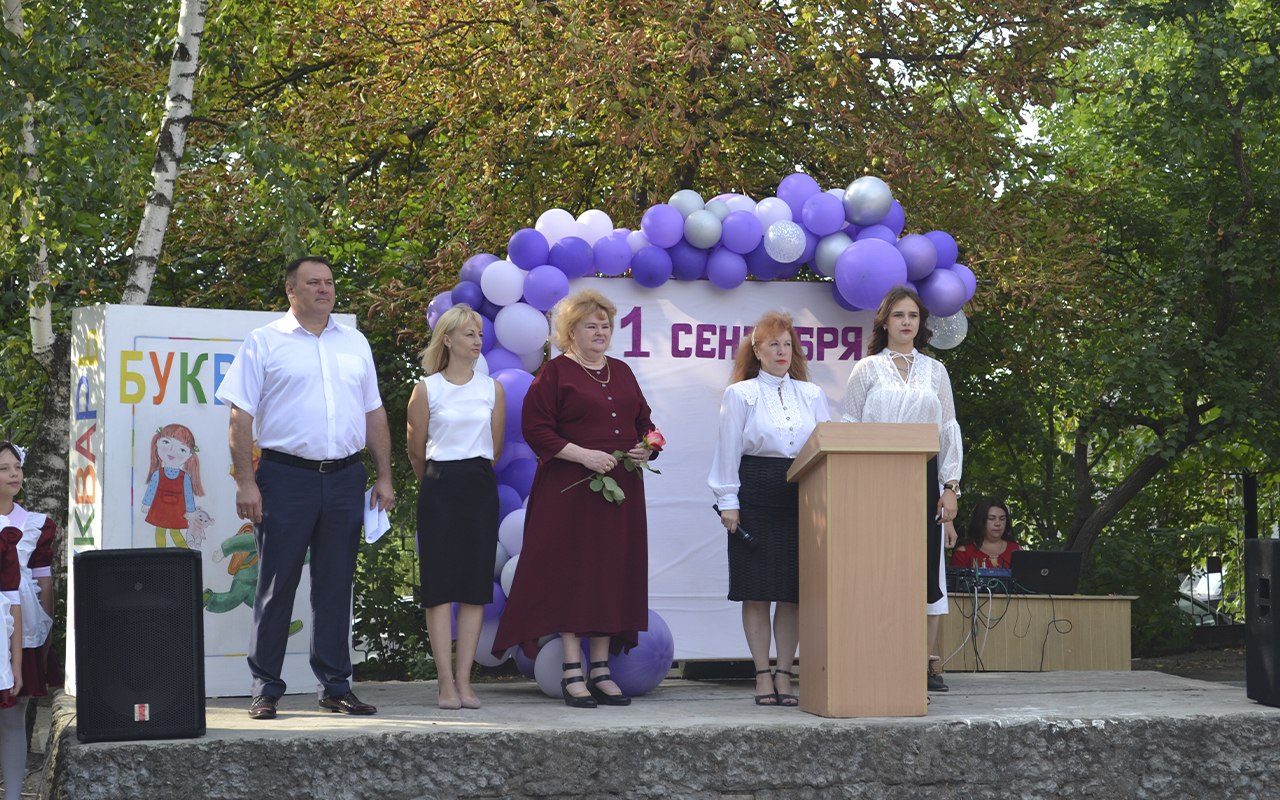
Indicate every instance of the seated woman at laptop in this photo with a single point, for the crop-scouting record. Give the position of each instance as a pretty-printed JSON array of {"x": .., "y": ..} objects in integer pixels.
[{"x": 990, "y": 537}]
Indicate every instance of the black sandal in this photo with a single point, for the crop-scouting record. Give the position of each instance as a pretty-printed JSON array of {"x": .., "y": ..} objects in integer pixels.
[
  {"x": 602, "y": 697},
  {"x": 786, "y": 700},
  {"x": 573, "y": 701},
  {"x": 760, "y": 698}
]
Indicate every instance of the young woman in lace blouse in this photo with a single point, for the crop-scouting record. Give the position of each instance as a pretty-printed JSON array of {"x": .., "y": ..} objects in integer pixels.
[
  {"x": 898, "y": 383},
  {"x": 767, "y": 413}
]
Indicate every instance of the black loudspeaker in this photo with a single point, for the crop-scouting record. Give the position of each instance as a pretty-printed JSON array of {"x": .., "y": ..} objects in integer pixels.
[
  {"x": 139, "y": 644},
  {"x": 1262, "y": 643}
]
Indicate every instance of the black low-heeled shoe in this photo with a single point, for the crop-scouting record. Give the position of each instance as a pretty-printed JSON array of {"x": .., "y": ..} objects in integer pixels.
[
  {"x": 762, "y": 698},
  {"x": 602, "y": 697},
  {"x": 786, "y": 700},
  {"x": 573, "y": 701}
]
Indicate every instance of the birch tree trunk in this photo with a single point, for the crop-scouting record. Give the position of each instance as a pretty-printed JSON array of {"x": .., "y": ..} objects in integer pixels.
[{"x": 169, "y": 148}]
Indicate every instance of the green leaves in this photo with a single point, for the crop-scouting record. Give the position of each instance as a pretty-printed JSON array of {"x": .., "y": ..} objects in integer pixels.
[{"x": 609, "y": 488}]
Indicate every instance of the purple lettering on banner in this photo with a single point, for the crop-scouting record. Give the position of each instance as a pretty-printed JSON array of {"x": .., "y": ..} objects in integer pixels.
[
  {"x": 806, "y": 341},
  {"x": 851, "y": 338},
  {"x": 637, "y": 350},
  {"x": 746, "y": 331},
  {"x": 828, "y": 339},
  {"x": 677, "y": 330},
  {"x": 729, "y": 343},
  {"x": 703, "y": 347}
]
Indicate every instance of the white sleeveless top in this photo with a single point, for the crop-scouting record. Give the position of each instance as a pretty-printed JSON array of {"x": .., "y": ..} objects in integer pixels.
[{"x": 461, "y": 418}]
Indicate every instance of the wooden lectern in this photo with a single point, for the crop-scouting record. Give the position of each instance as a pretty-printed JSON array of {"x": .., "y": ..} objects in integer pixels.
[{"x": 863, "y": 639}]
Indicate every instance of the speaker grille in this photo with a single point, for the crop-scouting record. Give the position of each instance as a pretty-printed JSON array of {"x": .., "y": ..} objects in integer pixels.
[{"x": 139, "y": 645}]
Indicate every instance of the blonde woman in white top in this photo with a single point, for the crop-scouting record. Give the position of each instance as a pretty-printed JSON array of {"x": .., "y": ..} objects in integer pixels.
[
  {"x": 456, "y": 418},
  {"x": 766, "y": 414},
  {"x": 898, "y": 383}
]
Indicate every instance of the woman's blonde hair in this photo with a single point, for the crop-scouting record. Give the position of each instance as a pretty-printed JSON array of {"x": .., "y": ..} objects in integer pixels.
[
  {"x": 436, "y": 357},
  {"x": 774, "y": 323},
  {"x": 575, "y": 309}
]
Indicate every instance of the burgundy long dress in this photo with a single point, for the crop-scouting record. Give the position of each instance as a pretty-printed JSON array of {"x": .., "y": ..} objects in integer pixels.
[{"x": 584, "y": 566}]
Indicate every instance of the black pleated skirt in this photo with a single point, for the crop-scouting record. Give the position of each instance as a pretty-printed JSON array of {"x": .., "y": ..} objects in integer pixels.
[
  {"x": 457, "y": 531},
  {"x": 770, "y": 513}
]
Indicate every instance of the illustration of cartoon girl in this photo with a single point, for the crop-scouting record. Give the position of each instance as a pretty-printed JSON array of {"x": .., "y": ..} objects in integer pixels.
[{"x": 173, "y": 483}]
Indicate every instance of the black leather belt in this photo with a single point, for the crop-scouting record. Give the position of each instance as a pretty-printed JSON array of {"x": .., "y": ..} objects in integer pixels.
[{"x": 323, "y": 467}]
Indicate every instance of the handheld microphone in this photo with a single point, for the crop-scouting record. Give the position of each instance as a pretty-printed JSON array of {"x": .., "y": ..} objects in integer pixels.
[{"x": 749, "y": 541}]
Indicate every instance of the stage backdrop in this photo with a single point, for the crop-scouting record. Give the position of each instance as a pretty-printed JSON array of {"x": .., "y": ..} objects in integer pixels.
[
  {"x": 137, "y": 371},
  {"x": 680, "y": 341}
]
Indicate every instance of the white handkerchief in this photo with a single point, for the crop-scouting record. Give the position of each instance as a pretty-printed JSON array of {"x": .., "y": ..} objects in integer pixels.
[{"x": 375, "y": 520}]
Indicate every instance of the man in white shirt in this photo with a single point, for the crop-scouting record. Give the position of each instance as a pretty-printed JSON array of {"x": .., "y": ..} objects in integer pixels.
[{"x": 310, "y": 384}]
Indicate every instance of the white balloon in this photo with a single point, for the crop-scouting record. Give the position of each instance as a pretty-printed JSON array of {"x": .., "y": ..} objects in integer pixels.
[
  {"x": 482, "y": 365},
  {"x": 500, "y": 559},
  {"x": 837, "y": 194},
  {"x": 637, "y": 240},
  {"x": 948, "y": 332},
  {"x": 597, "y": 225},
  {"x": 484, "y": 648},
  {"x": 554, "y": 224},
  {"x": 520, "y": 327},
  {"x": 720, "y": 208},
  {"x": 502, "y": 283},
  {"x": 686, "y": 201},
  {"x": 546, "y": 668},
  {"x": 508, "y": 574},
  {"x": 531, "y": 361},
  {"x": 702, "y": 229},
  {"x": 784, "y": 241},
  {"x": 740, "y": 202},
  {"x": 829, "y": 249},
  {"x": 771, "y": 210},
  {"x": 511, "y": 532},
  {"x": 525, "y": 504}
]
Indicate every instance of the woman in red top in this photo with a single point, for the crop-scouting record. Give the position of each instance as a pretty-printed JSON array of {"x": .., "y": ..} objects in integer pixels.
[{"x": 990, "y": 537}]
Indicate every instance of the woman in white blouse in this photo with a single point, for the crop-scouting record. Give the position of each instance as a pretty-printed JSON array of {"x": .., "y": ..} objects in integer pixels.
[
  {"x": 898, "y": 383},
  {"x": 456, "y": 419},
  {"x": 767, "y": 413}
]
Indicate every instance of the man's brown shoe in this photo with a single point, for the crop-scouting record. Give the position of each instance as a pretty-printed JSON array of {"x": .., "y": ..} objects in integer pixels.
[
  {"x": 347, "y": 704},
  {"x": 263, "y": 707}
]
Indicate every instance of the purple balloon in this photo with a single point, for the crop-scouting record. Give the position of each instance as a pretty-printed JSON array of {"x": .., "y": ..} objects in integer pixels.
[
  {"x": 519, "y": 475},
  {"x": 572, "y": 256},
  {"x": 489, "y": 337},
  {"x": 545, "y": 286},
  {"x": 515, "y": 384},
  {"x": 896, "y": 219},
  {"x": 651, "y": 266},
  {"x": 852, "y": 231},
  {"x": 789, "y": 271},
  {"x": 662, "y": 225},
  {"x": 822, "y": 213},
  {"x": 510, "y": 452},
  {"x": 474, "y": 266},
  {"x": 688, "y": 263},
  {"x": 943, "y": 292},
  {"x": 741, "y": 232},
  {"x": 795, "y": 189},
  {"x": 469, "y": 293},
  {"x": 868, "y": 269},
  {"x": 438, "y": 305},
  {"x": 508, "y": 499},
  {"x": 643, "y": 667},
  {"x": 489, "y": 309},
  {"x": 877, "y": 231},
  {"x": 500, "y": 358},
  {"x": 621, "y": 233},
  {"x": 524, "y": 663},
  {"x": 527, "y": 248},
  {"x": 612, "y": 256},
  {"x": 839, "y": 298},
  {"x": 810, "y": 247},
  {"x": 493, "y": 609},
  {"x": 948, "y": 250},
  {"x": 970, "y": 280},
  {"x": 920, "y": 255},
  {"x": 725, "y": 268},
  {"x": 762, "y": 265}
]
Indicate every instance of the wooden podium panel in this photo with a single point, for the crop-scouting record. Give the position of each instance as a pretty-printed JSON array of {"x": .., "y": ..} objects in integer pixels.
[{"x": 863, "y": 636}]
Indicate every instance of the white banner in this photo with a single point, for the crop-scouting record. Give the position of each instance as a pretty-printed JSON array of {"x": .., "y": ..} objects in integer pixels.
[{"x": 680, "y": 341}]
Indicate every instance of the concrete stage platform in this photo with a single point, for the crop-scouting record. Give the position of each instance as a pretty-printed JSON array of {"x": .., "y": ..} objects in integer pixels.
[{"x": 1010, "y": 735}]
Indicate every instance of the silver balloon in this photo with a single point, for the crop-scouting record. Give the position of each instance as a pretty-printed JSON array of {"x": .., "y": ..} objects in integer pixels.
[
  {"x": 720, "y": 208},
  {"x": 948, "y": 331},
  {"x": 829, "y": 249},
  {"x": 784, "y": 241},
  {"x": 867, "y": 200},
  {"x": 686, "y": 201},
  {"x": 702, "y": 229}
]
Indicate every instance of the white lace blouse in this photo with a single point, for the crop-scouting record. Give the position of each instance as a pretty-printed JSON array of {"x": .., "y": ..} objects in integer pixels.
[
  {"x": 765, "y": 416},
  {"x": 877, "y": 392}
]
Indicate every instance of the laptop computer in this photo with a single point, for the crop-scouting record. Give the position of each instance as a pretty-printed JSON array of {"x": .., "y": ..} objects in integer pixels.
[{"x": 1046, "y": 571}]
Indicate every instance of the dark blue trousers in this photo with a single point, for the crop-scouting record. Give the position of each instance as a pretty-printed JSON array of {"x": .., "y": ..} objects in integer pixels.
[{"x": 303, "y": 509}]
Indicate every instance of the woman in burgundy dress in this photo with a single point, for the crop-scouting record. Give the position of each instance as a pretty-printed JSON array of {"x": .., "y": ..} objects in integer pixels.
[{"x": 583, "y": 569}]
